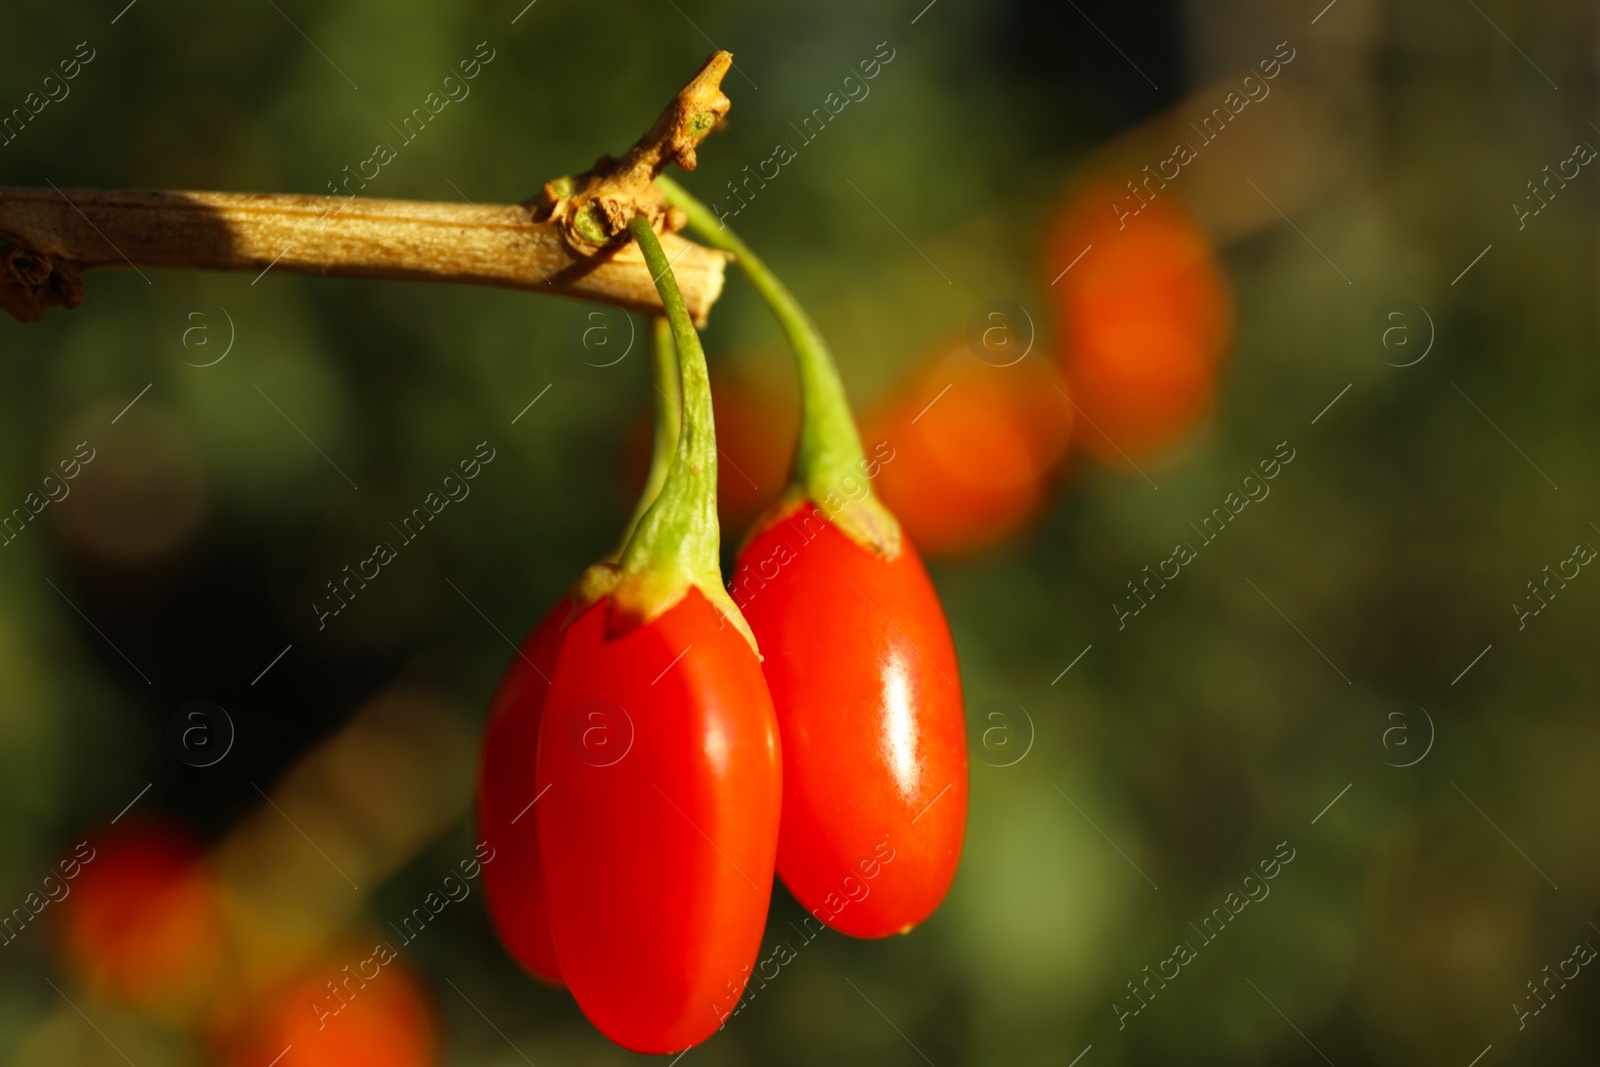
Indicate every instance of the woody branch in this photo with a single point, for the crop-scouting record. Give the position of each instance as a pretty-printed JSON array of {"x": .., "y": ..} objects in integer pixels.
[{"x": 569, "y": 240}]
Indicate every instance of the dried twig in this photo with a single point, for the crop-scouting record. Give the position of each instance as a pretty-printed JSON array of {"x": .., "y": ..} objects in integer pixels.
[
  {"x": 564, "y": 241},
  {"x": 48, "y": 238}
]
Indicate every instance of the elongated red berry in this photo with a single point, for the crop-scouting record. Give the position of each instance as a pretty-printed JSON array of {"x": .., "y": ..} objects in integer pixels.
[
  {"x": 659, "y": 829},
  {"x": 506, "y": 793},
  {"x": 659, "y": 753},
  {"x": 518, "y": 907},
  {"x": 863, "y": 676},
  {"x": 858, "y": 657}
]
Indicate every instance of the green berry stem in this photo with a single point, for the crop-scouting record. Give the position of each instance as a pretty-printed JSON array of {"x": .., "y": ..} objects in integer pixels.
[
  {"x": 828, "y": 457},
  {"x": 667, "y": 412},
  {"x": 675, "y": 544}
]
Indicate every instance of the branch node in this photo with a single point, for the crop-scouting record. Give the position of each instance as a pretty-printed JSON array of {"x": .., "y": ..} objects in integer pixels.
[
  {"x": 593, "y": 208},
  {"x": 31, "y": 279}
]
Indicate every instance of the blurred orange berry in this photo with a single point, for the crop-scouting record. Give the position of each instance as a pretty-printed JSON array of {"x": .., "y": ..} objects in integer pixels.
[
  {"x": 1144, "y": 319},
  {"x": 356, "y": 1008},
  {"x": 973, "y": 447},
  {"x": 1141, "y": 385},
  {"x": 143, "y": 922}
]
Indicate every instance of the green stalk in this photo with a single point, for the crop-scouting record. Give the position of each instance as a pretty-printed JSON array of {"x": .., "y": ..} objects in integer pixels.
[
  {"x": 829, "y": 465},
  {"x": 675, "y": 544},
  {"x": 667, "y": 411}
]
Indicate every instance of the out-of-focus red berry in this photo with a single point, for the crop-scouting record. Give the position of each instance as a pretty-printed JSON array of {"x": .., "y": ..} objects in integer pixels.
[
  {"x": 349, "y": 1008},
  {"x": 143, "y": 920},
  {"x": 973, "y": 445},
  {"x": 1144, "y": 319}
]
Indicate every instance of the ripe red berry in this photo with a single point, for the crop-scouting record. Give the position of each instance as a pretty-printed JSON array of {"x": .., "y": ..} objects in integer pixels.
[
  {"x": 506, "y": 791},
  {"x": 518, "y": 904},
  {"x": 660, "y": 751},
  {"x": 868, "y": 696},
  {"x": 858, "y": 657}
]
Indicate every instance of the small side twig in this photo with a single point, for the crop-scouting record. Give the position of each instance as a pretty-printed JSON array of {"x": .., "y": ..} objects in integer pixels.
[{"x": 595, "y": 207}]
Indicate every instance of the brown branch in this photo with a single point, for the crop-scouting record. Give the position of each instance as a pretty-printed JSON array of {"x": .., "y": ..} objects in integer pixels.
[
  {"x": 49, "y": 237},
  {"x": 564, "y": 241}
]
